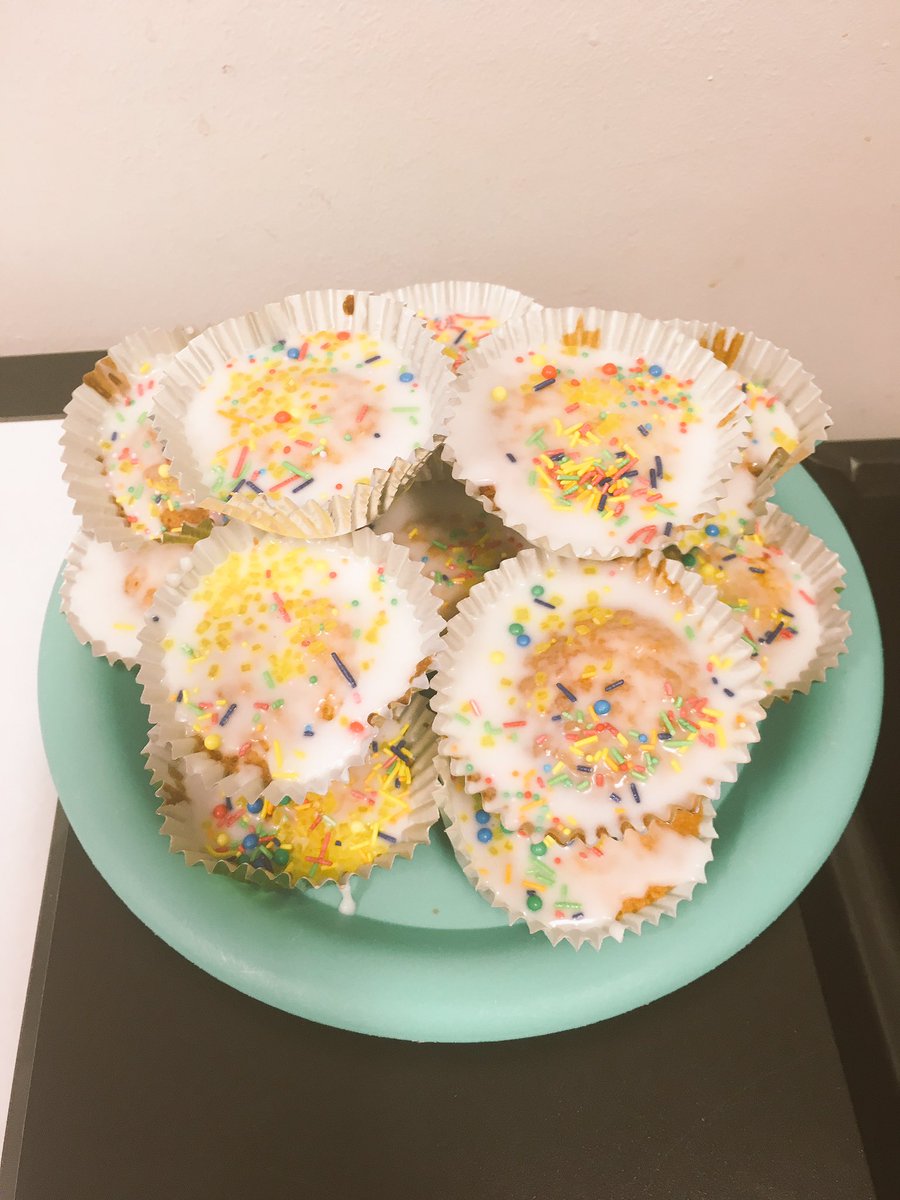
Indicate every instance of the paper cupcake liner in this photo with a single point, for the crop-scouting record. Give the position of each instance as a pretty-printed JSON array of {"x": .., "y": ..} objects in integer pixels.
[
  {"x": 179, "y": 828},
  {"x": 307, "y": 312},
  {"x": 455, "y": 802},
  {"x": 207, "y": 555},
  {"x": 760, "y": 362},
  {"x": 633, "y": 334},
  {"x": 76, "y": 558},
  {"x": 826, "y": 574},
  {"x": 84, "y": 414},
  {"x": 437, "y": 300},
  {"x": 709, "y": 616}
]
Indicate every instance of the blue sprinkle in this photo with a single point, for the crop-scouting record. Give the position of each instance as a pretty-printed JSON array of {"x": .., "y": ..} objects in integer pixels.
[
  {"x": 406, "y": 377},
  {"x": 601, "y": 707},
  {"x": 256, "y": 805},
  {"x": 250, "y": 842},
  {"x": 485, "y": 835},
  {"x": 642, "y": 737},
  {"x": 712, "y": 530},
  {"x": 308, "y": 731},
  {"x": 656, "y": 371},
  {"x": 523, "y": 640},
  {"x": 293, "y": 352},
  {"x": 482, "y": 817}
]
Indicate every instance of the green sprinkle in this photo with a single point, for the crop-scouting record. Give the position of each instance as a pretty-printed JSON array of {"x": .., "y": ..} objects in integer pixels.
[
  {"x": 296, "y": 470},
  {"x": 267, "y": 677}
]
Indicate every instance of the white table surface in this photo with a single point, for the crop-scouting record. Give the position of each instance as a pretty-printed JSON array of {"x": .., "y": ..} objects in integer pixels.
[{"x": 37, "y": 525}]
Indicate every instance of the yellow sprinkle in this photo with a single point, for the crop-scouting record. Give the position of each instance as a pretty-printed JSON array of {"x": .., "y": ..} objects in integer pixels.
[
  {"x": 497, "y": 656},
  {"x": 212, "y": 741},
  {"x": 123, "y": 627},
  {"x": 498, "y": 393}
]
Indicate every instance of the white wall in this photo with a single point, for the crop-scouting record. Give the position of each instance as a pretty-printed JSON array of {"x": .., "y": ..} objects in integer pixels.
[{"x": 180, "y": 160}]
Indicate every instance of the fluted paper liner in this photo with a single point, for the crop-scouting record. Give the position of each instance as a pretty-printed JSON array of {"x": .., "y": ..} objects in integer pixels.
[
  {"x": 454, "y": 802},
  {"x": 83, "y": 472},
  {"x": 178, "y": 826},
  {"x": 708, "y": 614},
  {"x": 207, "y": 555},
  {"x": 75, "y": 558},
  {"x": 635, "y": 335},
  {"x": 436, "y": 300},
  {"x": 826, "y": 575},
  {"x": 306, "y": 313},
  {"x": 761, "y": 362}
]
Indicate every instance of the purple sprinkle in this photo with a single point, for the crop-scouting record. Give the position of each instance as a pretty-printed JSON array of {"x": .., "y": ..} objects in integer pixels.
[
  {"x": 728, "y": 691},
  {"x": 252, "y": 485},
  {"x": 610, "y": 687},
  {"x": 387, "y": 837},
  {"x": 511, "y": 457},
  {"x": 653, "y": 477},
  {"x": 544, "y": 603},
  {"x": 226, "y": 715},
  {"x": 374, "y": 358},
  {"x": 643, "y": 431},
  {"x": 458, "y": 339},
  {"x": 729, "y": 557},
  {"x": 565, "y": 691},
  {"x": 635, "y": 793},
  {"x": 343, "y": 670},
  {"x": 587, "y": 769},
  {"x": 659, "y": 470},
  {"x": 668, "y": 529},
  {"x": 615, "y": 797},
  {"x": 301, "y": 486},
  {"x": 544, "y": 383}
]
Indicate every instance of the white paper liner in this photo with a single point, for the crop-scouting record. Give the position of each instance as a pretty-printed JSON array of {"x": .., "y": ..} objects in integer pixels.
[
  {"x": 179, "y": 827},
  {"x": 84, "y": 414},
  {"x": 207, "y": 555},
  {"x": 708, "y": 613},
  {"x": 455, "y": 804},
  {"x": 763, "y": 363},
  {"x": 124, "y": 649},
  {"x": 630, "y": 333},
  {"x": 826, "y": 575},
  {"x": 306, "y": 313},
  {"x": 433, "y": 301}
]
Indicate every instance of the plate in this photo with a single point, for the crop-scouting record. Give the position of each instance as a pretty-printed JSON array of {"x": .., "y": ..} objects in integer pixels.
[{"x": 425, "y": 958}]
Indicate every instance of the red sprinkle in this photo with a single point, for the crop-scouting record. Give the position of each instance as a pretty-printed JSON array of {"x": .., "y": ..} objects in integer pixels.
[{"x": 282, "y": 416}]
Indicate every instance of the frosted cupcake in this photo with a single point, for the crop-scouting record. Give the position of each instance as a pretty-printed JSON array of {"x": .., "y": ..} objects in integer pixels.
[
  {"x": 275, "y": 659},
  {"x": 782, "y": 584},
  {"x": 383, "y": 811},
  {"x": 121, "y": 482},
  {"x": 459, "y": 316},
  {"x": 306, "y": 417},
  {"x": 107, "y": 593},
  {"x": 579, "y": 893},
  {"x": 594, "y": 433},
  {"x": 578, "y": 698},
  {"x": 788, "y": 416},
  {"x": 451, "y": 535}
]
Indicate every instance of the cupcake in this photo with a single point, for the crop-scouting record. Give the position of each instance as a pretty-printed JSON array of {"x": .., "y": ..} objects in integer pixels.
[
  {"x": 782, "y": 583},
  {"x": 121, "y": 482},
  {"x": 451, "y": 535},
  {"x": 107, "y": 592},
  {"x": 575, "y": 892},
  {"x": 460, "y": 315},
  {"x": 383, "y": 811},
  {"x": 578, "y": 698},
  {"x": 594, "y": 434},
  {"x": 788, "y": 416},
  {"x": 273, "y": 660},
  {"x": 307, "y": 417}
]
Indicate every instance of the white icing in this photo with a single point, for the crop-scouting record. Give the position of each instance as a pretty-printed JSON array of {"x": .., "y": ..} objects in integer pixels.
[
  {"x": 347, "y": 905},
  {"x": 492, "y": 681},
  {"x": 574, "y": 889},
  {"x": 330, "y": 414},
  {"x": 112, "y": 590},
  {"x": 771, "y": 426},
  {"x": 382, "y": 657},
  {"x": 483, "y": 431}
]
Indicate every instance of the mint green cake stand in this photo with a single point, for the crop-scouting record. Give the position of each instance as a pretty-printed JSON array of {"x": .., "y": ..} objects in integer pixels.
[{"x": 426, "y": 958}]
